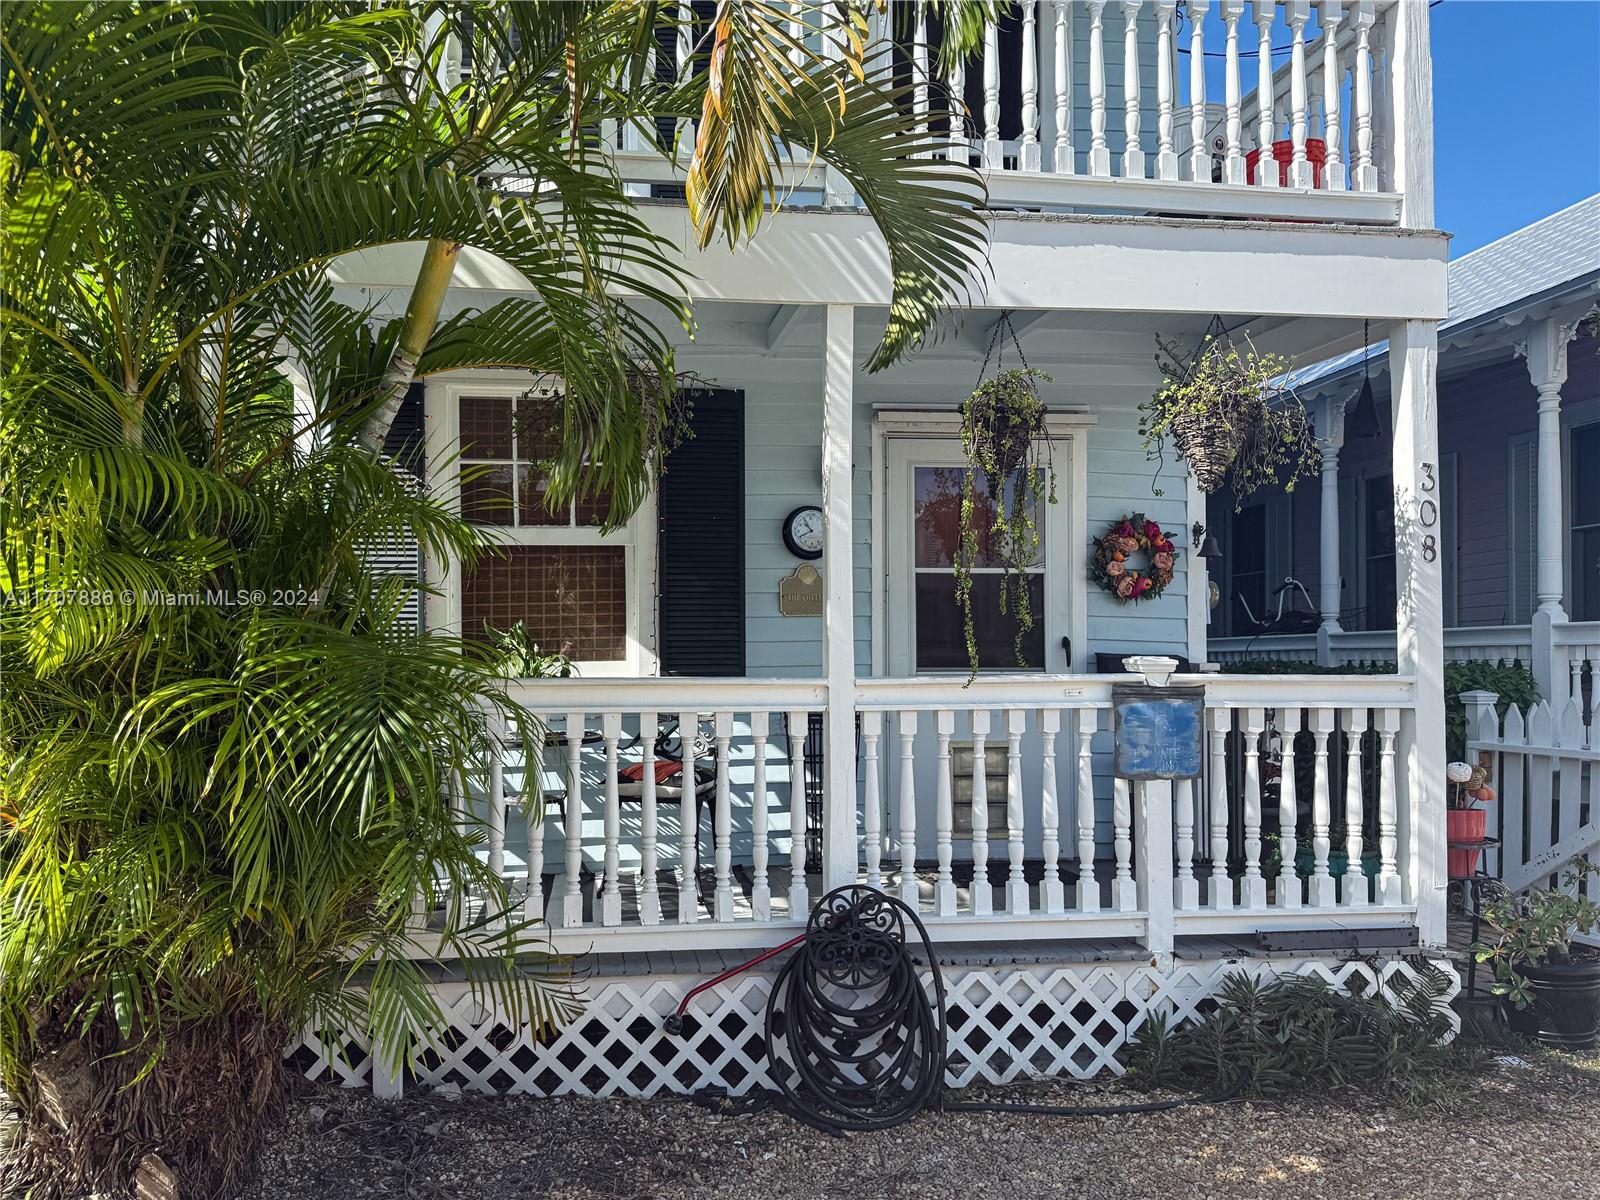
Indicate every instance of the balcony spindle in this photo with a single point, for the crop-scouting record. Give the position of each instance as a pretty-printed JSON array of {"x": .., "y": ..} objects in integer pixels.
[
  {"x": 1065, "y": 158},
  {"x": 1186, "y": 894},
  {"x": 919, "y": 64},
  {"x": 944, "y": 890},
  {"x": 1199, "y": 152},
  {"x": 1083, "y": 802},
  {"x": 908, "y": 809},
  {"x": 797, "y": 31},
  {"x": 1221, "y": 888},
  {"x": 799, "y": 900},
  {"x": 1052, "y": 898},
  {"x": 1124, "y": 893},
  {"x": 1332, "y": 13},
  {"x": 572, "y": 901},
  {"x": 1016, "y": 881},
  {"x": 1030, "y": 154},
  {"x": 722, "y": 817},
  {"x": 1099, "y": 151},
  {"x": 684, "y": 48},
  {"x": 871, "y": 798},
  {"x": 958, "y": 109},
  {"x": 982, "y": 894},
  {"x": 1355, "y": 880},
  {"x": 1322, "y": 883},
  {"x": 533, "y": 820},
  {"x": 1382, "y": 95},
  {"x": 497, "y": 807},
  {"x": 991, "y": 97},
  {"x": 1288, "y": 889},
  {"x": 689, "y": 820},
  {"x": 1132, "y": 153},
  {"x": 1253, "y": 887},
  {"x": 1365, "y": 175},
  {"x": 610, "y": 891},
  {"x": 760, "y": 850},
  {"x": 1297, "y": 13},
  {"x": 1266, "y": 131},
  {"x": 1389, "y": 885},
  {"x": 1166, "y": 155},
  {"x": 1233, "y": 164},
  {"x": 649, "y": 891}
]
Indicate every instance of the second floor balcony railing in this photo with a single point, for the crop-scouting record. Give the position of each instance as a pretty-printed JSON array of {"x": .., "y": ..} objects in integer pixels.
[{"x": 1147, "y": 107}]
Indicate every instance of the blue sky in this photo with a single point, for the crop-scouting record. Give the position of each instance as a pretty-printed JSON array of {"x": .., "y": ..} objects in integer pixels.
[{"x": 1516, "y": 93}]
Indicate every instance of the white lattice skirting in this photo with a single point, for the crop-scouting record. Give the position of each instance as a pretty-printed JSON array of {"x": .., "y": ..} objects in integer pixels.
[{"x": 1004, "y": 1024}]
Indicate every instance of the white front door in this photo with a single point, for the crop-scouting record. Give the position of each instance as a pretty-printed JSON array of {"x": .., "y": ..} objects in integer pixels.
[{"x": 924, "y": 623}]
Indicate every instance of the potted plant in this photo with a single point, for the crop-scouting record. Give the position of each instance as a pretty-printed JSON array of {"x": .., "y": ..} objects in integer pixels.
[
  {"x": 1467, "y": 787},
  {"x": 1230, "y": 415},
  {"x": 1006, "y": 445},
  {"x": 1550, "y": 988}
]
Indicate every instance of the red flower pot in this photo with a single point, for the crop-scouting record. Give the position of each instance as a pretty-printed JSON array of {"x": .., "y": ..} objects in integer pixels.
[
  {"x": 1283, "y": 154},
  {"x": 1464, "y": 825}
]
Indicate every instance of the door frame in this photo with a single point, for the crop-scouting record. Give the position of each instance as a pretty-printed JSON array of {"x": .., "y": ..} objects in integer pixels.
[{"x": 1066, "y": 528}]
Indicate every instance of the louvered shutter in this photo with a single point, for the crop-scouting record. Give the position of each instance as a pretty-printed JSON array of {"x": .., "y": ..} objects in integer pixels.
[
  {"x": 701, "y": 543},
  {"x": 402, "y": 555},
  {"x": 1522, "y": 485}
]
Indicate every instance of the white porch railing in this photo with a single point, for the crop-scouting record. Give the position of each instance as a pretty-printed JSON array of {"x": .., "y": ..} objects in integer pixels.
[
  {"x": 986, "y": 808},
  {"x": 1546, "y": 769},
  {"x": 1467, "y": 643},
  {"x": 1099, "y": 106}
]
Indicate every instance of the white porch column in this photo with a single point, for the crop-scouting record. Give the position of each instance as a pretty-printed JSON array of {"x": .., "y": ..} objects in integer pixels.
[
  {"x": 1546, "y": 351},
  {"x": 838, "y": 617},
  {"x": 1330, "y": 440},
  {"x": 1419, "y": 615},
  {"x": 1408, "y": 104}
]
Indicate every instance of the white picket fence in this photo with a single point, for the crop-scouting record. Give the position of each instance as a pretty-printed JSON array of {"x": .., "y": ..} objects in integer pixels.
[{"x": 1546, "y": 769}]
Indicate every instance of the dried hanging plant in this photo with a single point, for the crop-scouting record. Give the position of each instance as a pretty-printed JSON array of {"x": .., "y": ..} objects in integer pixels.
[{"x": 1230, "y": 415}]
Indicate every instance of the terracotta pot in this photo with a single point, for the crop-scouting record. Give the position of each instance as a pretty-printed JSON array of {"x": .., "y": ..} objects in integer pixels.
[{"x": 1464, "y": 825}]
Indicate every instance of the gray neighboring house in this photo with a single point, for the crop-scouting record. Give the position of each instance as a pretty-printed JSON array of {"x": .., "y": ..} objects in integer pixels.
[{"x": 1518, "y": 503}]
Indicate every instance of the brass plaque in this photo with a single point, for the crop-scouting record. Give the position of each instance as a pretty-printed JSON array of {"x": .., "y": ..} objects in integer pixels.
[{"x": 800, "y": 594}]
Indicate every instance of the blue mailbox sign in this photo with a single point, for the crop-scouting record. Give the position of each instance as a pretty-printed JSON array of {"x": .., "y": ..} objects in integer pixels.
[{"x": 1157, "y": 731}]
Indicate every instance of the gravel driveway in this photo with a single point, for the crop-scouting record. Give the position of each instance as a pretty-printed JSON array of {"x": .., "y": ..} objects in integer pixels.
[{"x": 1530, "y": 1130}]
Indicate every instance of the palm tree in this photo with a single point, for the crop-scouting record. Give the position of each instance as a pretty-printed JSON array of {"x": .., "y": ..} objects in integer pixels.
[{"x": 225, "y": 759}]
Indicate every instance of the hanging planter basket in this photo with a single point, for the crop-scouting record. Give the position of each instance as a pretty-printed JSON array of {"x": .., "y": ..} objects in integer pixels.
[{"x": 1229, "y": 415}]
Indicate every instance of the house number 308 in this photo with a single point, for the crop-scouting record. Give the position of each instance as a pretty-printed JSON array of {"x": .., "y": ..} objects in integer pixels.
[{"x": 1428, "y": 513}]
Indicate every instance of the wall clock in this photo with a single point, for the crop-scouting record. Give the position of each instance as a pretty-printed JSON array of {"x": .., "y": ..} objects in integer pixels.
[{"x": 802, "y": 532}]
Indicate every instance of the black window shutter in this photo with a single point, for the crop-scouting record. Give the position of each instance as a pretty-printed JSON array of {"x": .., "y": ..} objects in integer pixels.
[
  {"x": 404, "y": 441},
  {"x": 701, "y": 542}
]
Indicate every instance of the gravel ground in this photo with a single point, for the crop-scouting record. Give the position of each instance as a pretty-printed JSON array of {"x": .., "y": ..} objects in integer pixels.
[{"x": 1531, "y": 1130}]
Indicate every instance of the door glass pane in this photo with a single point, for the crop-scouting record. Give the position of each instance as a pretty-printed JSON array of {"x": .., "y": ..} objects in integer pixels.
[
  {"x": 937, "y": 515},
  {"x": 941, "y": 638}
]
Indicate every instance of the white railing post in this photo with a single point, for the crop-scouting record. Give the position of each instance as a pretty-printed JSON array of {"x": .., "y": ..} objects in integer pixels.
[
  {"x": 1124, "y": 893},
  {"x": 689, "y": 820},
  {"x": 1199, "y": 152},
  {"x": 1364, "y": 172},
  {"x": 1220, "y": 891},
  {"x": 1233, "y": 164},
  {"x": 1253, "y": 887},
  {"x": 871, "y": 798},
  {"x": 982, "y": 893},
  {"x": 1099, "y": 151},
  {"x": 649, "y": 889},
  {"x": 610, "y": 891},
  {"x": 1288, "y": 883},
  {"x": 1064, "y": 161},
  {"x": 760, "y": 850},
  {"x": 1052, "y": 897},
  {"x": 533, "y": 821},
  {"x": 1016, "y": 881},
  {"x": 1166, "y": 155},
  {"x": 1389, "y": 890},
  {"x": 1411, "y": 103},
  {"x": 1355, "y": 879},
  {"x": 1088, "y": 885},
  {"x": 1266, "y": 130},
  {"x": 722, "y": 818},
  {"x": 919, "y": 61},
  {"x": 1297, "y": 13},
  {"x": 909, "y": 892},
  {"x": 572, "y": 900},
  {"x": 1132, "y": 152},
  {"x": 838, "y": 618},
  {"x": 1419, "y": 622},
  {"x": 497, "y": 806},
  {"x": 958, "y": 105},
  {"x": 992, "y": 160},
  {"x": 799, "y": 898},
  {"x": 944, "y": 888},
  {"x": 1323, "y": 890},
  {"x": 1155, "y": 894},
  {"x": 1187, "y": 890},
  {"x": 1332, "y": 13},
  {"x": 1030, "y": 154}
]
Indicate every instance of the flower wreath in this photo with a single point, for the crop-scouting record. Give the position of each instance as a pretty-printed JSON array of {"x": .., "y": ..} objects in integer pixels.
[{"x": 1131, "y": 535}]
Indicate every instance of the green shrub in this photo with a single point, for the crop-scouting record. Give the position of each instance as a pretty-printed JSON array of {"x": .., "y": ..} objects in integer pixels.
[{"x": 1297, "y": 1032}]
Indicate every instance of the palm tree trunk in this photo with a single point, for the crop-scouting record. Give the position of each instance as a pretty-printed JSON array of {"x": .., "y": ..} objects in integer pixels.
[{"x": 422, "y": 318}]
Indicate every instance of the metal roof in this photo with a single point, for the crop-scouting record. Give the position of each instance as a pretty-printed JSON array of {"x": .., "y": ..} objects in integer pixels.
[{"x": 1528, "y": 263}]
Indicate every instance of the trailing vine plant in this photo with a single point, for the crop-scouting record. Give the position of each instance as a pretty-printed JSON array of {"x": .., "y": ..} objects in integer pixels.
[
  {"x": 1006, "y": 444},
  {"x": 1230, "y": 414}
]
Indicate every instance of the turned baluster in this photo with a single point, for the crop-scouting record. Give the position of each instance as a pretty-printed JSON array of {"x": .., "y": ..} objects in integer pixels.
[
  {"x": 760, "y": 884},
  {"x": 991, "y": 97},
  {"x": 1065, "y": 160},
  {"x": 1266, "y": 165},
  {"x": 799, "y": 902},
  {"x": 1221, "y": 889},
  {"x": 1233, "y": 164},
  {"x": 649, "y": 890},
  {"x": 1030, "y": 154},
  {"x": 1199, "y": 152},
  {"x": 1389, "y": 883},
  {"x": 1166, "y": 156},
  {"x": 982, "y": 894},
  {"x": 689, "y": 819},
  {"x": 1099, "y": 151},
  {"x": 908, "y": 809},
  {"x": 1016, "y": 880},
  {"x": 1288, "y": 887},
  {"x": 572, "y": 901},
  {"x": 1332, "y": 12},
  {"x": 1186, "y": 894},
  {"x": 1083, "y": 799},
  {"x": 610, "y": 889},
  {"x": 1355, "y": 880},
  {"x": 944, "y": 889},
  {"x": 1365, "y": 175},
  {"x": 1124, "y": 893},
  {"x": 1132, "y": 153},
  {"x": 1052, "y": 897},
  {"x": 871, "y": 798},
  {"x": 1253, "y": 887},
  {"x": 1322, "y": 887},
  {"x": 1297, "y": 13},
  {"x": 722, "y": 817}
]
